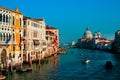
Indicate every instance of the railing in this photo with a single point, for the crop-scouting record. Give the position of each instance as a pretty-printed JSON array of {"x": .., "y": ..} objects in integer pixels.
[
  {"x": 4, "y": 24},
  {"x": 3, "y": 42}
]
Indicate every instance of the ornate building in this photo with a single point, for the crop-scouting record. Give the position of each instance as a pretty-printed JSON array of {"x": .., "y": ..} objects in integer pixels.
[
  {"x": 11, "y": 24},
  {"x": 94, "y": 42},
  {"x": 87, "y": 34}
]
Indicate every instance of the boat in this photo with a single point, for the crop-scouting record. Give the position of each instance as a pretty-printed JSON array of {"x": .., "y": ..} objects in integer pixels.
[
  {"x": 108, "y": 65},
  {"x": 29, "y": 69},
  {"x": 2, "y": 77},
  {"x": 86, "y": 61},
  {"x": 62, "y": 50}
]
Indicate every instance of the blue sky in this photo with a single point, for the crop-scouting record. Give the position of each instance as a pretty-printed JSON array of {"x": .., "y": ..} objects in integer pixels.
[{"x": 72, "y": 17}]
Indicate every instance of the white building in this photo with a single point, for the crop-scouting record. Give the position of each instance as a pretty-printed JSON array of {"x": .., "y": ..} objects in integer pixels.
[{"x": 34, "y": 38}]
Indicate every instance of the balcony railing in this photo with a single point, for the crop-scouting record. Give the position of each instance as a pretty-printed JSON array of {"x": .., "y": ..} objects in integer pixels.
[{"x": 4, "y": 24}]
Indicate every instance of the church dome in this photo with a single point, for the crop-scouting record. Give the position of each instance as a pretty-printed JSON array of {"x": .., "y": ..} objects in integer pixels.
[{"x": 87, "y": 34}]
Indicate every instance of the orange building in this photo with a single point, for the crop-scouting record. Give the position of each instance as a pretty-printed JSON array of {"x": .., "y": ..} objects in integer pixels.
[
  {"x": 11, "y": 24},
  {"x": 52, "y": 38}
]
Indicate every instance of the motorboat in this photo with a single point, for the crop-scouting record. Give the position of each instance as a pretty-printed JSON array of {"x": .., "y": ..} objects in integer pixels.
[
  {"x": 81, "y": 54},
  {"x": 86, "y": 61},
  {"x": 108, "y": 65},
  {"x": 2, "y": 77}
]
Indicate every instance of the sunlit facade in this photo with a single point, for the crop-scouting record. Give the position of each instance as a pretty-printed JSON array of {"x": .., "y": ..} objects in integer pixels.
[
  {"x": 11, "y": 24},
  {"x": 52, "y": 37},
  {"x": 34, "y": 39}
]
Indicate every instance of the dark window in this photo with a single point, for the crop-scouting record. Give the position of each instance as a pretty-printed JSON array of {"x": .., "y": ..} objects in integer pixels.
[
  {"x": 20, "y": 22},
  {"x": 3, "y": 17},
  {"x": 13, "y": 55},
  {"x": 13, "y": 20},
  {"x": 13, "y": 37},
  {"x": 6, "y": 19},
  {"x": 24, "y": 33},
  {"x": 0, "y": 17},
  {"x": 13, "y": 48},
  {"x": 24, "y": 22}
]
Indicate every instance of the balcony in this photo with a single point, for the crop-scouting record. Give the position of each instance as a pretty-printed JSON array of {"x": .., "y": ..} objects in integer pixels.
[
  {"x": 3, "y": 43},
  {"x": 4, "y": 24}
]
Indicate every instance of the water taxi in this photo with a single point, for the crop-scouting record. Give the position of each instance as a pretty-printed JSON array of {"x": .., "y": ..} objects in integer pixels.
[
  {"x": 2, "y": 77},
  {"x": 86, "y": 61}
]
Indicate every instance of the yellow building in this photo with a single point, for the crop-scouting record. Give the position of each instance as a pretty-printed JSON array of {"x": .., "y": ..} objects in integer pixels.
[{"x": 11, "y": 24}]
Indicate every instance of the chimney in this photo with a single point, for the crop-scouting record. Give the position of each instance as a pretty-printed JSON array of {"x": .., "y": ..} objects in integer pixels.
[{"x": 17, "y": 10}]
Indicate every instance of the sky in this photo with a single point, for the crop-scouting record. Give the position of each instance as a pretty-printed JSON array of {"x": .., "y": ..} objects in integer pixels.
[{"x": 72, "y": 17}]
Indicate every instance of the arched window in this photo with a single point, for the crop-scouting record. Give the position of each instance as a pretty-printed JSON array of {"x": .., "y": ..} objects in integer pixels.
[
  {"x": 20, "y": 22},
  {"x": 0, "y": 17},
  {"x": 0, "y": 36},
  {"x": 13, "y": 21},
  {"x": 3, "y": 36},
  {"x": 6, "y": 18},
  {"x": 6, "y": 36},
  {"x": 9, "y": 19},
  {"x": 13, "y": 37},
  {"x": 3, "y": 17}
]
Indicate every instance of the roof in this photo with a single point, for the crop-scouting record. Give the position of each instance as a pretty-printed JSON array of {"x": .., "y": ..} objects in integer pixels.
[
  {"x": 33, "y": 19},
  {"x": 25, "y": 18},
  {"x": 50, "y": 27},
  {"x": 38, "y": 19},
  {"x": 10, "y": 10}
]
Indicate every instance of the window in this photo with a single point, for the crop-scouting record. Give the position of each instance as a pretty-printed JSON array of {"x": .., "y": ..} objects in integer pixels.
[
  {"x": 13, "y": 20},
  {"x": 20, "y": 22},
  {"x": 24, "y": 22},
  {"x": 13, "y": 37},
  {"x": 13, "y": 48},
  {"x": 0, "y": 17},
  {"x": 0, "y": 36},
  {"x": 3, "y": 17},
  {"x": 20, "y": 48},
  {"x": 3, "y": 36},
  {"x": 24, "y": 33},
  {"x": 13, "y": 55},
  {"x": 24, "y": 46},
  {"x": 28, "y": 23},
  {"x": 6, "y": 19},
  {"x": 35, "y": 34},
  {"x": 9, "y": 20}
]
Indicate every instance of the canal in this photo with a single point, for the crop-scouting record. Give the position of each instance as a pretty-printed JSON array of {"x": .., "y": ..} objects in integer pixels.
[{"x": 70, "y": 66}]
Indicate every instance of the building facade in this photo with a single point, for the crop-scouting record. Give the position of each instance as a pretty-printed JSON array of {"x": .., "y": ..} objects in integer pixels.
[
  {"x": 11, "y": 24},
  {"x": 52, "y": 37},
  {"x": 94, "y": 42},
  {"x": 116, "y": 44},
  {"x": 34, "y": 39}
]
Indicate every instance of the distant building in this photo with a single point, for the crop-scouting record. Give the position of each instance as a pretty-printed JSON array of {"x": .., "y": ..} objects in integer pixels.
[
  {"x": 116, "y": 44},
  {"x": 87, "y": 34},
  {"x": 94, "y": 42}
]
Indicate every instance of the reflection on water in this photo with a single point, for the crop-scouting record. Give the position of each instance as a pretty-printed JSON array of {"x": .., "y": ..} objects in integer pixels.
[{"x": 70, "y": 67}]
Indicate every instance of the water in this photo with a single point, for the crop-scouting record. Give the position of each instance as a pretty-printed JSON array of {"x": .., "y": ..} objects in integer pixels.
[{"x": 70, "y": 67}]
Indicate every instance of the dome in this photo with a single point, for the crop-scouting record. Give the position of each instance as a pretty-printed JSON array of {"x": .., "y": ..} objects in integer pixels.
[{"x": 87, "y": 34}]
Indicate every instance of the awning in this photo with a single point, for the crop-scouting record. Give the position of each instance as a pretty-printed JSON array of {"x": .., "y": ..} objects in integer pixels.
[{"x": 36, "y": 42}]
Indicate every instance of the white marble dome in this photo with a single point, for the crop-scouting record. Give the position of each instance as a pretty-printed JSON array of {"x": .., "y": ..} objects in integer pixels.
[{"x": 87, "y": 34}]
